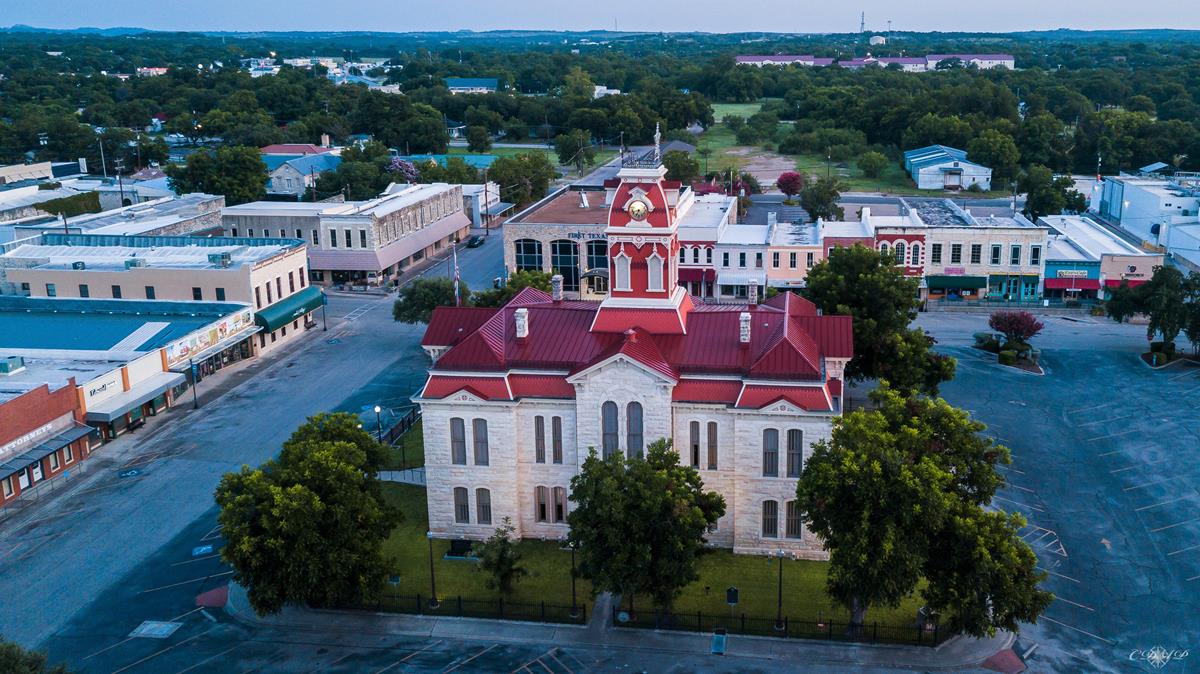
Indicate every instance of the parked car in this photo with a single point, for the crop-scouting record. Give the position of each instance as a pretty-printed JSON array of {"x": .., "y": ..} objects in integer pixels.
[{"x": 475, "y": 241}]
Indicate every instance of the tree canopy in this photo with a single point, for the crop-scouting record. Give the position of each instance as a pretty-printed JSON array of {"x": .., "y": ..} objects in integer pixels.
[
  {"x": 820, "y": 199},
  {"x": 418, "y": 299},
  {"x": 1169, "y": 300},
  {"x": 900, "y": 494},
  {"x": 17, "y": 660},
  {"x": 236, "y": 172}
]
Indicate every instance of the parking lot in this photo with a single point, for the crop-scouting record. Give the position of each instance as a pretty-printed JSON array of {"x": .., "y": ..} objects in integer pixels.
[{"x": 1105, "y": 471}]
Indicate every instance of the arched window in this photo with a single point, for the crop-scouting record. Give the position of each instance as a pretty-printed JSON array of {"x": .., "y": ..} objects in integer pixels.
[
  {"x": 682, "y": 254},
  {"x": 556, "y": 444},
  {"x": 770, "y": 519},
  {"x": 560, "y": 505},
  {"x": 462, "y": 509},
  {"x": 539, "y": 439},
  {"x": 633, "y": 429},
  {"x": 915, "y": 260},
  {"x": 654, "y": 273},
  {"x": 883, "y": 248},
  {"x": 483, "y": 506},
  {"x": 597, "y": 254},
  {"x": 564, "y": 259},
  {"x": 528, "y": 254},
  {"x": 608, "y": 426},
  {"x": 541, "y": 504},
  {"x": 770, "y": 450},
  {"x": 621, "y": 272},
  {"x": 479, "y": 430},
  {"x": 694, "y": 442},
  {"x": 708, "y": 255},
  {"x": 795, "y": 452},
  {"x": 458, "y": 442},
  {"x": 696, "y": 255},
  {"x": 712, "y": 445},
  {"x": 900, "y": 252},
  {"x": 792, "y": 527}
]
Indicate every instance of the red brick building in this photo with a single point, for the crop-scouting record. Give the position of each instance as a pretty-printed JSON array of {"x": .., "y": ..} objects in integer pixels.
[{"x": 42, "y": 436}]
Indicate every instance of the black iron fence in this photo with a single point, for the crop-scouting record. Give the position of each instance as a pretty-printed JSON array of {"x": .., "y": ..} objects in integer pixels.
[
  {"x": 402, "y": 425},
  {"x": 789, "y": 628},
  {"x": 460, "y": 607}
]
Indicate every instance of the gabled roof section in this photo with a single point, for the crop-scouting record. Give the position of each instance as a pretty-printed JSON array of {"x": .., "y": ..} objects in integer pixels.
[
  {"x": 449, "y": 325},
  {"x": 638, "y": 345},
  {"x": 808, "y": 398},
  {"x": 485, "y": 388},
  {"x": 790, "y": 352}
]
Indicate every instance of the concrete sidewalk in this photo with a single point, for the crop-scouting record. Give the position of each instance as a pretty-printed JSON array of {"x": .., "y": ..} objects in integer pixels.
[{"x": 956, "y": 654}]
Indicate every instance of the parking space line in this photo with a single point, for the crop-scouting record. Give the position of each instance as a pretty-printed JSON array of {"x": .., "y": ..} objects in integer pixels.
[
  {"x": 1101, "y": 421},
  {"x": 1148, "y": 484},
  {"x": 209, "y": 659},
  {"x": 1190, "y": 547},
  {"x": 1115, "y": 451},
  {"x": 1177, "y": 524},
  {"x": 198, "y": 559},
  {"x": 1114, "y": 435},
  {"x": 451, "y": 669},
  {"x": 1018, "y": 503},
  {"x": 1017, "y": 486},
  {"x": 185, "y": 582},
  {"x": 1072, "y": 603},
  {"x": 158, "y": 653},
  {"x": 1093, "y": 407},
  {"x": 1110, "y": 643},
  {"x": 213, "y": 533},
  {"x": 1155, "y": 505},
  {"x": 1191, "y": 579},
  {"x": 1055, "y": 573},
  {"x": 108, "y": 648},
  {"x": 560, "y": 662}
]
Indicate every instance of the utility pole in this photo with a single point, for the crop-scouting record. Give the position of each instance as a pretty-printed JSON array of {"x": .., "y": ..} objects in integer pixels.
[
  {"x": 103, "y": 166},
  {"x": 483, "y": 211},
  {"x": 119, "y": 165}
]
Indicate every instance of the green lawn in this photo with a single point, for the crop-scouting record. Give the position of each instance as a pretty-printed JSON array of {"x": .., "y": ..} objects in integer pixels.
[
  {"x": 602, "y": 156},
  {"x": 742, "y": 109},
  {"x": 720, "y": 140},
  {"x": 409, "y": 452},
  {"x": 549, "y": 566},
  {"x": 757, "y": 580}
]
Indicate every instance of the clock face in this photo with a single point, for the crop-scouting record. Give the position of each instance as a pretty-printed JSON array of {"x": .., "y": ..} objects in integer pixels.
[{"x": 638, "y": 209}]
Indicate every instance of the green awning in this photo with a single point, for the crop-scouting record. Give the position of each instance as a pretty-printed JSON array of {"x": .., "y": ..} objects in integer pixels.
[
  {"x": 944, "y": 282},
  {"x": 289, "y": 308}
]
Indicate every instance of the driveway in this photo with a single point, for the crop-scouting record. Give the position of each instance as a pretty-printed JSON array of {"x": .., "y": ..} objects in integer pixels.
[{"x": 1105, "y": 471}]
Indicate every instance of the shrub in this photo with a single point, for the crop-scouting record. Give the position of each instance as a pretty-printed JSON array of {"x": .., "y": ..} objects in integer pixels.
[
  {"x": 1008, "y": 357},
  {"x": 974, "y": 188},
  {"x": 1156, "y": 347}
]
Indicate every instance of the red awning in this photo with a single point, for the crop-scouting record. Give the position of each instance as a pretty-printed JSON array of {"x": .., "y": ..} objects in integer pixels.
[
  {"x": 1072, "y": 284},
  {"x": 692, "y": 274},
  {"x": 1116, "y": 283}
]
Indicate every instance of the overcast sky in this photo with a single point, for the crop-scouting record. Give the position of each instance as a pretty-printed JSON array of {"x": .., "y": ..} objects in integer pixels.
[{"x": 654, "y": 15}]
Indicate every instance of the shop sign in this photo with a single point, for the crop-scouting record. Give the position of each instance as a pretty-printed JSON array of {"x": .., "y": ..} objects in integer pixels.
[
  {"x": 955, "y": 271},
  {"x": 587, "y": 235},
  {"x": 202, "y": 339},
  {"x": 1072, "y": 273},
  {"x": 29, "y": 438}
]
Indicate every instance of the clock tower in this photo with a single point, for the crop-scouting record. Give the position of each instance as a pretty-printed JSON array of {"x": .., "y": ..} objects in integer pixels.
[{"x": 643, "y": 252}]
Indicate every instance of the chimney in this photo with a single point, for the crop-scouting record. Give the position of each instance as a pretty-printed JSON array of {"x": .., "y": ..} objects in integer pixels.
[
  {"x": 521, "y": 317},
  {"x": 744, "y": 327},
  {"x": 324, "y": 140},
  {"x": 556, "y": 287},
  {"x": 753, "y": 291},
  {"x": 583, "y": 200}
]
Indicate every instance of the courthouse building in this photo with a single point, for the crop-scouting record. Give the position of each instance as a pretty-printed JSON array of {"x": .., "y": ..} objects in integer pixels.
[{"x": 517, "y": 396}]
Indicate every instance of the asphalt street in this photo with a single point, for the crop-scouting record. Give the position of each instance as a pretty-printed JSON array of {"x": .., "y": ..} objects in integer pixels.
[{"x": 1105, "y": 472}]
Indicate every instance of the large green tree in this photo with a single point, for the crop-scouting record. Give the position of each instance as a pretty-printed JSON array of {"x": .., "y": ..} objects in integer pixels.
[
  {"x": 16, "y": 660},
  {"x": 681, "y": 166},
  {"x": 820, "y": 199},
  {"x": 866, "y": 284},
  {"x": 235, "y": 172},
  {"x": 308, "y": 527},
  {"x": 639, "y": 524},
  {"x": 575, "y": 147},
  {"x": 498, "y": 297},
  {"x": 524, "y": 177},
  {"x": 998, "y": 151},
  {"x": 900, "y": 494},
  {"x": 500, "y": 559},
  {"x": 1047, "y": 194},
  {"x": 418, "y": 299},
  {"x": 1167, "y": 300}
]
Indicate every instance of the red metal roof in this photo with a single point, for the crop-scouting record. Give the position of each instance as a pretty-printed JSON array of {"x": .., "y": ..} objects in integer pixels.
[
  {"x": 540, "y": 386},
  {"x": 640, "y": 346},
  {"x": 488, "y": 388},
  {"x": 707, "y": 391},
  {"x": 657, "y": 321},
  {"x": 805, "y": 397},
  {"x": 689, "y": 274},
  {"x": 1076, "y": 283},
  {"x": 294, "y": 148},
  {"x": 450, "y": 324}
]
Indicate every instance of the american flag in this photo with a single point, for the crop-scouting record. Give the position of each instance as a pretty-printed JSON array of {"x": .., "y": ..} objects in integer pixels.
[{"x": 457, "y": 278}]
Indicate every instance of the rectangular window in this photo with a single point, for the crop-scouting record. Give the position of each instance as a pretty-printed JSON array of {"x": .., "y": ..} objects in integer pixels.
[
  {"x": 458, "y": 442},
  {"x": 935, "y": 253},
  {"x": 83, "y": 290},
  {"x": 1014, "y": 255},
  {"x": 282, "y": 234},
  {"x": 795, "y": 452},
  {"x": 362, "y": 238},
  {"x": 792, "y": 260},
  {"x": 51, "y": 290},
  {"x": 995, "y": 253},
  {"x": 770, "y": 467},
  {"x": 291, "y": 282},
  {"x": 68, "y": 454},
  {"x": 149, "y": 292},
  {"x": 539, "y": 439},
  {"x": 8, "y": 488},
  {"x": 725, "y": 259},
  {"x": 303, "y": 278},
  {"x": 333, "y": 238},
  {"x": 197, "y": 294},
  {"x": 556, "y": 442},
  {"x": 708, "y": 255},
  {"x": 462, "y": 509},
  {"x": 479, "y": 433},
  {"x": 758, "y": 260},
  {"x": 811, "y": 260},
  {"x": 233, "y": 232},
  {"x": 712, "y": 445},
  {"x": 270, "y": 299},
  {"x": 316, "y": 237},
  {"x": 542, "y": 499},
  {"x": 116, "y": 292},
  {"x": 220, "y": 294},
  {"x": 694, "y": 442},
  {"x": 1035, "y": 255},
  {"x": 976, "y": 253},
  {"x": 682, "y": 255},
  {"x": 299, "y": 234},
  {"x": 956, "y": 253},
  {"x": 483, "y": 506},
  {"x": 560, "y": 505},
  {"x": 279, "y": 287},
  {"x": 250, "y": 232},
  {"x": 770, "y": 519},
  {"x": 792, "y": 528},
  {"x": 347, "y": 235},
  {"x": 53, "y": 461},
  {"x": 257, "y": 298},
  {"x": 742, "y": 260}
]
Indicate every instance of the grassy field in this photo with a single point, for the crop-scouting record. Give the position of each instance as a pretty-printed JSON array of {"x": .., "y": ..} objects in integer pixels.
[
  {"x": 743, "y": 109},
  {"x": 602, "y": 156},
  {"x": 409, "y": 452},
  {"x": 549, "y": 566},
  {"x": 720, "y": 140}
]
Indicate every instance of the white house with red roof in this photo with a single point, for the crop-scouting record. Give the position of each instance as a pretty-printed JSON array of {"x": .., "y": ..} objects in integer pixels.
[{"x": 517, "y": 396}]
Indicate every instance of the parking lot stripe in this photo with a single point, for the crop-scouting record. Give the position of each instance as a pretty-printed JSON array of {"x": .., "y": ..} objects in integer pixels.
[
  {"x": 560, "y": 662},
  {"x": 451, "y": 669},
  {"x": 1190, "y": 547},
  {"x": 1070, "y": 627},
  {"x": 1093, "y": 407},
  {"x": 1148, "y": 484},
  {"x": 1115, "y": 451},
  {"x": 108, "y": 648},
  {"x": 1018, "y": 503},
  {"x": 158, "y": 653},
  {"x": 1155, "y": 505},
  {"x": 1072, "y": 603},
  {"x": 1114, "y": 435},
  {"x": 209, "y": 659},
  {"x": 1177, "y": 524},
  {"x": 198, "y": 559},
  {"x": 185, "y": 582},
  {"x": 1101, "y": 421},
  {"x": 1054, "y": 573}
]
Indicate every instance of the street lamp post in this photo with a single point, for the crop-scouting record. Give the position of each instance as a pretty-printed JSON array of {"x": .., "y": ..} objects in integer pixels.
[
  {"x": 574, "y": 608},
  {"x": 195, "y": 381},
  {"x": 378, "y": 424},
  {"x": 433, "y": 600},
  {"x": 779, "y": 597}
]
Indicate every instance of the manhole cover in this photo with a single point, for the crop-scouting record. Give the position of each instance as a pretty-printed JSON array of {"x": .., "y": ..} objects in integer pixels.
[{"x": 155, "y": 629}]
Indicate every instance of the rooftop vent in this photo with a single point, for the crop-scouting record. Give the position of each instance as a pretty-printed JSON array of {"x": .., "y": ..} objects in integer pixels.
[
  {"x": 744, "y": 327},
  {"x": 521, "y": 319},
  {"x": 79, "y": 265},
  {"x": 556, "y": 287},
  {"x": 220, "y": 259},
  {"x": 135, "y": 263}
]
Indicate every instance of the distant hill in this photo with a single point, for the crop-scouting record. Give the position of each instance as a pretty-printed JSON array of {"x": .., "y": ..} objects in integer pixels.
[{"x": 85, "y": 30}]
